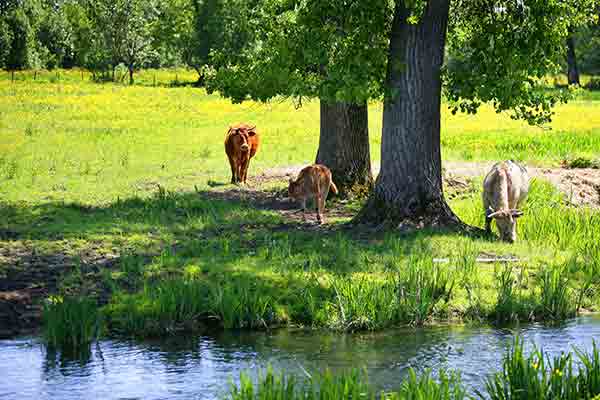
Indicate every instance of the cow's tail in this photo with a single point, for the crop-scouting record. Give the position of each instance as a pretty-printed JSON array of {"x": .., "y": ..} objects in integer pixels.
[{"x": 333, "y": 188}]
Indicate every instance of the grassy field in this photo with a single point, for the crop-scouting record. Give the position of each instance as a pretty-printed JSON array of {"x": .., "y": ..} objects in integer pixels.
[{"x": 121, "y": 192}]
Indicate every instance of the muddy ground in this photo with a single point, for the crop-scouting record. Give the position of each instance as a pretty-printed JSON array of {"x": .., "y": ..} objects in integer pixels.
[{"x": 28, "y": 276}]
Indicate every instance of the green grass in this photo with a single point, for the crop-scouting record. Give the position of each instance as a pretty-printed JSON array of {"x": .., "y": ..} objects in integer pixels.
[{"x": 89, "y": 171}]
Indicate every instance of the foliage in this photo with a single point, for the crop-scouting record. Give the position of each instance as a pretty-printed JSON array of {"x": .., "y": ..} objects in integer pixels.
[
  {"x": 126, "y": 29},
  {"x": 6, "y": 38},
  {"x": 303, "y": 49},
  {"x": 22, "y": 22},
  {"x": 556, "y": 297},
  {"x": 501, "y": 53},
  {"x": 172, "y": 41},
  {"x": 55, "y": 37}
]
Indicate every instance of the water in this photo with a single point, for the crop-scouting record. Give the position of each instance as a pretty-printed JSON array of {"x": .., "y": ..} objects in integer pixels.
[{"x": 202, "y": 367}]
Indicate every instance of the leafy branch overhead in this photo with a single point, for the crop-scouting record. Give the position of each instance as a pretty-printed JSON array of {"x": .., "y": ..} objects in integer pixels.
[{"x": 498, "y": 52}]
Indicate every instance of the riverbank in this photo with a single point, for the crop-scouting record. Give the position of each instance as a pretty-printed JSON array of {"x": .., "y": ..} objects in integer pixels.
[{"x": 203, "y": 367}]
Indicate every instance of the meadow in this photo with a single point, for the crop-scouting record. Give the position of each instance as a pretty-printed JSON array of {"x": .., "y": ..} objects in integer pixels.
[{"x": 119, "y": 195}]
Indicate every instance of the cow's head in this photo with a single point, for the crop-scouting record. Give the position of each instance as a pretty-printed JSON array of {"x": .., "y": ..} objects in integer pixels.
[
  {"x": 506, "y": 221},
  {"x": 293, "y": 189},
  {"x": 240, "y": 137}
]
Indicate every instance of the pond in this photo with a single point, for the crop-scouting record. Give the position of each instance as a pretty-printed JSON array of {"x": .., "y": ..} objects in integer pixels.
[{"x": 202, "y": 367}]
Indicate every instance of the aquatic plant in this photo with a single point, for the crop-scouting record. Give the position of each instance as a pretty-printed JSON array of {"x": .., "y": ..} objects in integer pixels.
[
  {"x": 363, "y": 304},
  {"x": 511, "y": 304},
  {"x": 70, "y": 323},
  {"x": 421, "y": 284},
  {"x": 239, "y": 303},
  {"x": 542, "y": 378},
  {"x": 351, "y": 385},
  {"x": 556, "y": 300}
]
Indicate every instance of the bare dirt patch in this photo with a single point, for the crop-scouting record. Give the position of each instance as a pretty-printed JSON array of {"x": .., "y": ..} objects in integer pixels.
[{"x": 581, "y": 187}]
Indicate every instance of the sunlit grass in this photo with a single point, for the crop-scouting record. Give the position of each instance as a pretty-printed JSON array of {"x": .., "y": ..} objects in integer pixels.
[{"x": 75, "y": 140}]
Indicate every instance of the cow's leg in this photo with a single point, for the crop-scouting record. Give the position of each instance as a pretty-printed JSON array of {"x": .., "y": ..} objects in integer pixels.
[
  {"x": 319, "y": 201},
  {"x": 233, "y": 166},
  {"x": 240, "y": 171},
  {"x": 245, "y": 170},
  {"x": 322, "y": 203},
  {"x": 303, "y": 205}
]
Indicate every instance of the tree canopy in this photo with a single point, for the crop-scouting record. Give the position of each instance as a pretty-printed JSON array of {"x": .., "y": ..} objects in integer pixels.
[{"x": 499, "y": 52}]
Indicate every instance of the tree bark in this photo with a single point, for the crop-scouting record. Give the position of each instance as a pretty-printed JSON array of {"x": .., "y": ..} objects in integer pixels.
[
  {"x": 131, "y": 75},
  {"x": 344, "y": 146},
  {"x": 572, "y": 70},
  {"x": 408, "y": 190}
]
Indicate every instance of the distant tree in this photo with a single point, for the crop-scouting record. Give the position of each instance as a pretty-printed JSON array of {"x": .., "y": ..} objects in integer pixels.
[
  {"x": 587, "y": 39},
  {"x": 6, "y": 39},
  {"x": 572, "y": 70},
  {"x": 55, "y": 38},
  {"x": 125, "y": 29},
  {"x": 219, "y": 26},
  {"x": 22, "y": 21},
  {"x": 83, "y": 36},
  {"x": 137, "y": 46},
  {"x": 173, "y": 31}
]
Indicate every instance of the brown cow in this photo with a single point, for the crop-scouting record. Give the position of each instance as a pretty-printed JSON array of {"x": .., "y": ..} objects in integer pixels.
[{"x": 241, "y": 144}]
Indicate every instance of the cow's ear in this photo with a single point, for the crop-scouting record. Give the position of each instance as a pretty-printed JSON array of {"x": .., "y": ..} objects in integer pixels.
[{"x": 252, "y": 131}]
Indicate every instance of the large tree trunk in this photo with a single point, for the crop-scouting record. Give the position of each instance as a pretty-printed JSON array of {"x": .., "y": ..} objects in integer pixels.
[
  {"x": 572, "y": 70},
  {"x": 344, "y": 146},
  {"x": 409, "y": 186}
]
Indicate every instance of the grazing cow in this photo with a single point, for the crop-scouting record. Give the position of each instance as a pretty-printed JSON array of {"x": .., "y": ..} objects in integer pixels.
[
  {"x": 241, "y": 144},
  {"x": 313, "y": 182},
  {"x": 505, "y": 188}
]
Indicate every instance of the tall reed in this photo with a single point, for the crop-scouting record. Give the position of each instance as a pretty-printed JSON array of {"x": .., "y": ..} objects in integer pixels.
[{"x": 70, "y": 323}]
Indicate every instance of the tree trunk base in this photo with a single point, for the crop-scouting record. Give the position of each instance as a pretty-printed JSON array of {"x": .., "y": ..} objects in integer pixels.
[
  {"x": 354, "y": 187},
  {"x": 436, "y": 215}
]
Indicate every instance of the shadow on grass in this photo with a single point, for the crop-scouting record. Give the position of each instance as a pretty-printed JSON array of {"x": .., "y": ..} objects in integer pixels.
[{"x": 258, "y": 236}]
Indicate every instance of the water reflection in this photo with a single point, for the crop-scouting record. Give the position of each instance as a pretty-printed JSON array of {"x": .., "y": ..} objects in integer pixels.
[{"x": 202, "y": 367}]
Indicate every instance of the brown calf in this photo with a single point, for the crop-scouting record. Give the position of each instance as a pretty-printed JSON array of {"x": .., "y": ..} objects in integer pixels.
[
  {"x": 241, "y": 144},
  {"x": 313, "y": 182}
]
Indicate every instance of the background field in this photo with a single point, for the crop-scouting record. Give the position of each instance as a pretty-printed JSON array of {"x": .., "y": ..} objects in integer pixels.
[
  {"x": 106, "y": 190},
  {"x": 78, "y": 141}
]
